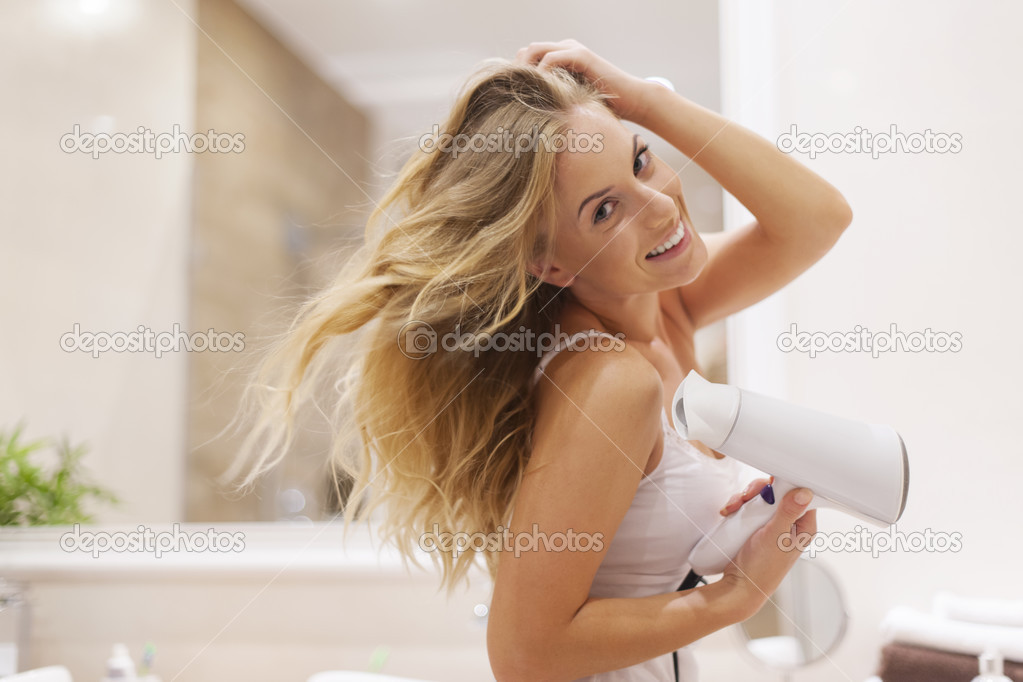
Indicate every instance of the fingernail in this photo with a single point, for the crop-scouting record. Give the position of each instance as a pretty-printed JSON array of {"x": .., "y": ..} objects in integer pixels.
[{"x": 803, "y": 496}]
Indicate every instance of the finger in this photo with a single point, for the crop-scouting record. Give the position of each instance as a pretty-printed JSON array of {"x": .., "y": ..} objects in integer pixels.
[
  {"x": 734, "y": 502},
  {"x": 568, "y": 55},
  {"x": 751, "y": 490},
  {"x": 571, "y": 60},
  {"x": 804, "y": 530},
  {"x": 807, "y": 524},
  {"x": 534, "y": 52},
  {"x": 754, "y": 488},
  {"x": 792, "y": 507}
]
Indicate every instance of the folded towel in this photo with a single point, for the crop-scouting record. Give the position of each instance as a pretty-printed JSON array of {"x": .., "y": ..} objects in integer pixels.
[
  {"x": 909, "y": 626},
  {"x": 909, "y": 663},
  {"x": 1007, "y": 612}
]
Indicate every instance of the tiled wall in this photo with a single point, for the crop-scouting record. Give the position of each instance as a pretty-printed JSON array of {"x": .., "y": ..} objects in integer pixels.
[{"x": 262, "y": 218}]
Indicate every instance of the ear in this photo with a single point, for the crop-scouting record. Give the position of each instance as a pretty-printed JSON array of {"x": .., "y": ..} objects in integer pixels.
[{"x": 557, "y": 276}]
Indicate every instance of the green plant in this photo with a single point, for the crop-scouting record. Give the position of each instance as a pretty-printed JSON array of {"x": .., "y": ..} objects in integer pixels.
[{"x": 32, "y": 494}]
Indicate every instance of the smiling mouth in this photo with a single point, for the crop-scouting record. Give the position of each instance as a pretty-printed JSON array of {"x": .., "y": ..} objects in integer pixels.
[{"x": 671, "y": 242}]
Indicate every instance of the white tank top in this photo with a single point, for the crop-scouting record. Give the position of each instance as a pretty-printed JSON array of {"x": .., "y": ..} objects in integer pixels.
[{"x": 672, "y": 509}]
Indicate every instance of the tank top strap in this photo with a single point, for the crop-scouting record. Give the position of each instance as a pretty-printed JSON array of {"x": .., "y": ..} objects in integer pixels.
[{"x": 564, "y": 343}]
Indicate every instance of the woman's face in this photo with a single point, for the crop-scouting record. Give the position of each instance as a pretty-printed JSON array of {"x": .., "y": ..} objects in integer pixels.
[{"x": 615, "y": 207}]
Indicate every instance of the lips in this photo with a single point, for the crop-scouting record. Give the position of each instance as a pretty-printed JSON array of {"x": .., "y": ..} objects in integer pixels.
[{"x": 670, "y": 243}]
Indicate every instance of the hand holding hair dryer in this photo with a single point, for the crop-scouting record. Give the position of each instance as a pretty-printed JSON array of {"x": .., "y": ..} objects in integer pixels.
[{"x": 859, "y": 468}]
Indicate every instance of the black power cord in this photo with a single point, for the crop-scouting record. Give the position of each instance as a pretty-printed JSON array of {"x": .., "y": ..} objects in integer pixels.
[{"x": 691, "y": 581}]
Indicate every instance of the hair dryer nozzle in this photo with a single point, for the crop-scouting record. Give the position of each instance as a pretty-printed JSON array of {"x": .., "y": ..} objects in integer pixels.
[
  {"x": 705, "y": 411},
  {"x": 860, "y": 467},
  {"x": 905, "y": 478}
]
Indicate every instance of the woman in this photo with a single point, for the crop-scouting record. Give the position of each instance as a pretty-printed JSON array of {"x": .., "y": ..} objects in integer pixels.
[{"x": 582, "y": 232}]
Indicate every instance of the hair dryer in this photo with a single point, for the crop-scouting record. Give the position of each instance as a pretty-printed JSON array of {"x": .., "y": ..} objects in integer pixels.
[{"x": 859, "y": 468}]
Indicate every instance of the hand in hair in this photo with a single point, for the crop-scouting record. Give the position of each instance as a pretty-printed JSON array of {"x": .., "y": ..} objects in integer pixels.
[{"x": 630, "y": 93}]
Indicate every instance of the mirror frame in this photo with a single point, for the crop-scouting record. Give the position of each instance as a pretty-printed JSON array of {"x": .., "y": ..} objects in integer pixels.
[{"x": 743, "y": 639}]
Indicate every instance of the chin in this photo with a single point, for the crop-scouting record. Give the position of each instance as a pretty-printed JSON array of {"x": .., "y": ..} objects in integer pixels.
[{"x": 695, "y": 262}]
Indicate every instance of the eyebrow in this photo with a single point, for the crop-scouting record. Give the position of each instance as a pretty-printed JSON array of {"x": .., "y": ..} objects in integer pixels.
[{"x": 604, "y": 191}]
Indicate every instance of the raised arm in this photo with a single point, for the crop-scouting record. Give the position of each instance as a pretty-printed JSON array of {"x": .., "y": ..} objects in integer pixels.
[{"x": 799, "y": 216}]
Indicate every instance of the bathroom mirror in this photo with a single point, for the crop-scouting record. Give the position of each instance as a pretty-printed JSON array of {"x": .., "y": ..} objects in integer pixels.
[
  {"x": 803, "y": 622},
  {"x": 298, "y": 209},
  {"x": 280, "y": 125}
]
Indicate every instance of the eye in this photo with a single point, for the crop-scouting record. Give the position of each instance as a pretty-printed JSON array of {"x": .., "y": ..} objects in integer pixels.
[
  {"x": 643, "y": 153},
  {"x": 599, "y": 215},
  {"x": 642, "y": 160}
]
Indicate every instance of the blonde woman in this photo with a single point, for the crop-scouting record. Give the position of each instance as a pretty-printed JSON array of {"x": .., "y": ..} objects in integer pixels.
[{"x": 587, "y": 240}]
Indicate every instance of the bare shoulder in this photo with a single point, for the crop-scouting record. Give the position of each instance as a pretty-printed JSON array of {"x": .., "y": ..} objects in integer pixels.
[{"x": 599, "y": 398}]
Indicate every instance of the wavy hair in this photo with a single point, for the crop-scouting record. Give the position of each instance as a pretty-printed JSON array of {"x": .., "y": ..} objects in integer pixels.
[{"x": 442, "y": 439}]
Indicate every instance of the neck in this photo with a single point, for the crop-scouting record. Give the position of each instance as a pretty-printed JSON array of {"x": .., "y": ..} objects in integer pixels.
[{"x": 637, "y": 316}]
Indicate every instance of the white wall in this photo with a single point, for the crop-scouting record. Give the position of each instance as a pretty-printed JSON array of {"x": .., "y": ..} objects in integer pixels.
[
  {"x": 99, "y": 242},
  {"x": 934, "y": 244}
]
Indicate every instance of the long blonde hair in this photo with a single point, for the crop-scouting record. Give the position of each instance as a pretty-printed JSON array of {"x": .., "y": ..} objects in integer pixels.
[{"x": 449, "y": 433}]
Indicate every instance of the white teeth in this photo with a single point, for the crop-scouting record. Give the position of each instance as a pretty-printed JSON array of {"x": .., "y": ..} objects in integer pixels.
[{"x": 674, "y": 239}]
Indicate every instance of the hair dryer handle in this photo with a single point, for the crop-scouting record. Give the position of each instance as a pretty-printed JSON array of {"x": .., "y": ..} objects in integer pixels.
[{"x": 716, "y": 550}]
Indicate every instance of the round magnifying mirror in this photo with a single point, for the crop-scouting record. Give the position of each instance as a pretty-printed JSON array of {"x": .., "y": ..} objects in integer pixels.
[{"x": 804, "y": 620}]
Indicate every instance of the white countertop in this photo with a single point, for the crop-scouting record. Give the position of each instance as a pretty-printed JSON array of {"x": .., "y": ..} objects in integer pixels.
[{"x": 54, "y": 552}]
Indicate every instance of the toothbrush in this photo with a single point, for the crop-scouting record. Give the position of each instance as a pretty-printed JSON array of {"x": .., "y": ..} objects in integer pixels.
[
  {"x": 148, "y": 653},
  {"x": 378, "y": 659}
]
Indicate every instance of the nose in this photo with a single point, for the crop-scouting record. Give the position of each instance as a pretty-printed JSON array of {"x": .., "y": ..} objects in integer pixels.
[{"x": 659, "y": 211}]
